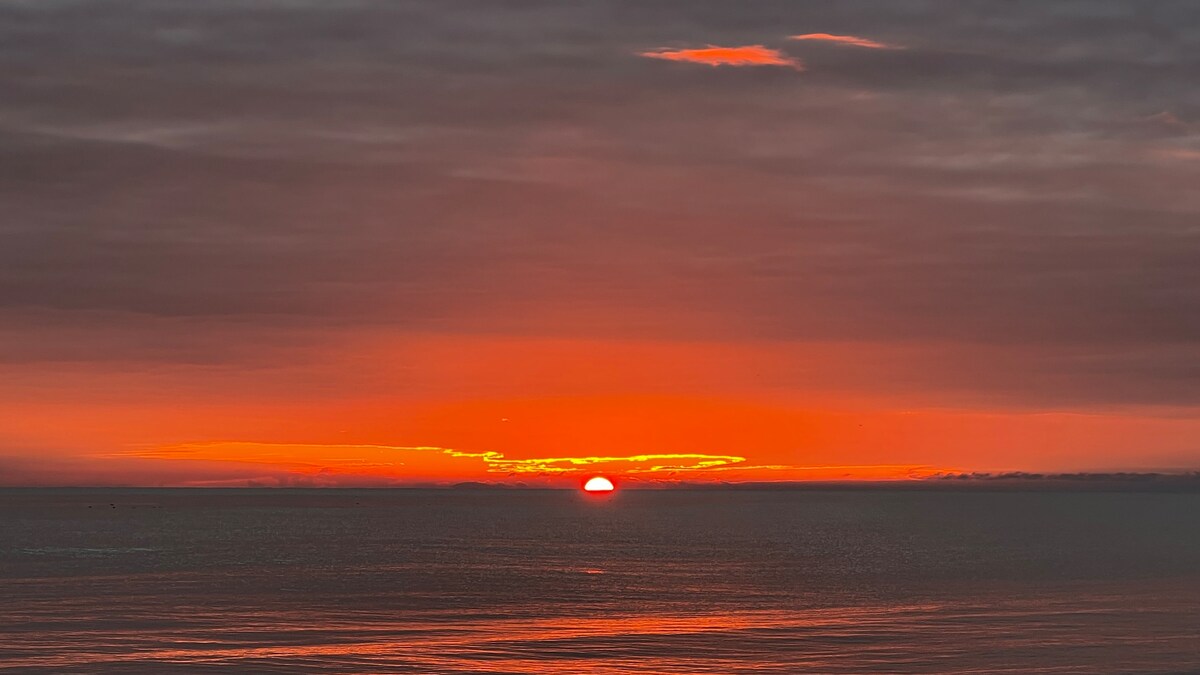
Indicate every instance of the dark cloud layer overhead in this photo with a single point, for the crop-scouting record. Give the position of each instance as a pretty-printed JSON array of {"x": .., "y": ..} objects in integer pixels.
[{"x": 185, "y": 178}]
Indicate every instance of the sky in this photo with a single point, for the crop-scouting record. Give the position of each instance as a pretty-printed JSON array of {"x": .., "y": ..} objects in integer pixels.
[{"x": 298, "y": 242}]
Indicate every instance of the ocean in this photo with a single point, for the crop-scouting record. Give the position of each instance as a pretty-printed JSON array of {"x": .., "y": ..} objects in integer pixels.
[{"x": 543, "y": 581}]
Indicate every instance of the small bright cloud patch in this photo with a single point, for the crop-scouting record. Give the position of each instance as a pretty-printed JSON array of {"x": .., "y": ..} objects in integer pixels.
[{"x": 712, "y": 55}]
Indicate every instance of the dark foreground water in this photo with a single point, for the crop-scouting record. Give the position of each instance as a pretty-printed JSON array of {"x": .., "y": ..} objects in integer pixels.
[{"x": 409, "y": 581}]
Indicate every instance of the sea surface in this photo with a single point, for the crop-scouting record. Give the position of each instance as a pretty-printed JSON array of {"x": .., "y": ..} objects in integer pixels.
[{"x": 527, "y": 581}]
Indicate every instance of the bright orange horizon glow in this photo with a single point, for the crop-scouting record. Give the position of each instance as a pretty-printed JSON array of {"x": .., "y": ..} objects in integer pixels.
[
  {"x": 598, "y": 484},
  {"x": 552, "y": 412}
]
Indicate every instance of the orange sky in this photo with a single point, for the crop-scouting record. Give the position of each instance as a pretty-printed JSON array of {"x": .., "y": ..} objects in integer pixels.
[{"x": 375, "y": 244}]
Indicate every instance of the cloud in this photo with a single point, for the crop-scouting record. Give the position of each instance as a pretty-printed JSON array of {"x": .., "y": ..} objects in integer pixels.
[
  {"x": 655, "y": 463},
  {"x": 422, "y": 462},
  {"x": 846, "y": 40},
  {"x": 748, "y": 55},
  {"x": 395, "y": 464}
]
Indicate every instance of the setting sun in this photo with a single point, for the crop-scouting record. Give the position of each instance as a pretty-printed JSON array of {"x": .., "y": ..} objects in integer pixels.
[{"x": 598, "y": 484}]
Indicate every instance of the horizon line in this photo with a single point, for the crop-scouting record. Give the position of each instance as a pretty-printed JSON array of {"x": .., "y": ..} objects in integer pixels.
[{"x": 1100, "y": 480}]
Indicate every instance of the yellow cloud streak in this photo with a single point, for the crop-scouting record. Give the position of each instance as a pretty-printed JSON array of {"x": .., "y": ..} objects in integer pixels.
[
  {"x": 404, "y": 461},
  {"x": 550, "y": 464},
  {"x": 327, "y": 457}
]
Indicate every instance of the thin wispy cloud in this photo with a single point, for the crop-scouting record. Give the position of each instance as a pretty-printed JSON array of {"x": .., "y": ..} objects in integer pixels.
[
  {"x": 713, "y": 55},
  {"x": 398, "y": 461},
  {"x": 845, "y": 40},
  {"x": 348, "y": 463}
]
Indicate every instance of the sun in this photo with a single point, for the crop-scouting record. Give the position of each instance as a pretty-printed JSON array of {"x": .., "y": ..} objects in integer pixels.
[{"x": 598, "y": 484}]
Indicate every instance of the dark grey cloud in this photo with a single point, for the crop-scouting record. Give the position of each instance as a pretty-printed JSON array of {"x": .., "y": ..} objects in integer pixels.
[{"x": 1021, "y": 174}]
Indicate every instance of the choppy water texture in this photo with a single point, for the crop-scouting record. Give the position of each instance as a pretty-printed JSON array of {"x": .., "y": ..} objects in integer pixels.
[{"x": 410, "y": 581}]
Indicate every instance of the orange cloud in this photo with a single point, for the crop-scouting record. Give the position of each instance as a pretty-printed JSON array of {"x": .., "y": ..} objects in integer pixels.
[
  {"x": 712, "y": 55},
  {"x": 847, "y": 40}
]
